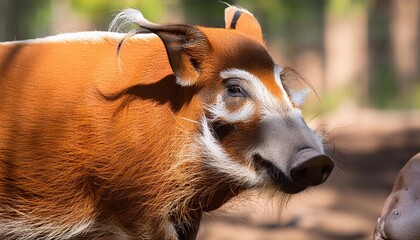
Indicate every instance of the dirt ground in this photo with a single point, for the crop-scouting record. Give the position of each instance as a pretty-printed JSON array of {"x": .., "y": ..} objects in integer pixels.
[{"x": 370, "y": 147}]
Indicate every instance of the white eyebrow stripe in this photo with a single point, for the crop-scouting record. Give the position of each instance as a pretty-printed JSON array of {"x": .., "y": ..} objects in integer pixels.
[{"x": 270, "y": 103}]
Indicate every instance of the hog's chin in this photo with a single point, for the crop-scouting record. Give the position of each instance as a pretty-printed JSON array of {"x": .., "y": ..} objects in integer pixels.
[{"x": 291, "y": 188}]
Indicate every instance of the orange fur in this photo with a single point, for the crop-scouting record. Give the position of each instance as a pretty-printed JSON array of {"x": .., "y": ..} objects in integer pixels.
[
  {"x": 97, "y": 144},
  {"x": 82, "y": 136}
]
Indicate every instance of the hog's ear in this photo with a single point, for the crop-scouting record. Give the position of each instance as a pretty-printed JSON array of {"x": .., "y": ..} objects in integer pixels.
[
  {"x": 243, "y": 21},
  {"x": 185, "y": 45},
  {"x": 295, "y": 84}
]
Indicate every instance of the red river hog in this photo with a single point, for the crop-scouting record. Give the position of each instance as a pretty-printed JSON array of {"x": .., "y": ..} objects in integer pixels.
[{"x": 138, "y": 143}]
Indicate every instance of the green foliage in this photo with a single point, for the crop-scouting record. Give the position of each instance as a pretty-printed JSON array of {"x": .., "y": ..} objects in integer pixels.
[
  {"x": 330, "y": 101},
  {"x": 339, "y": 8},
  {"x": 206, "y": 13},
  {"x": 101, "y": 12},
  {"x": 42, "y": 18},
  {"x": 382, "y": 91},
  {"x": 414, "y": 100},
  {"x": 27, "y": 19}
]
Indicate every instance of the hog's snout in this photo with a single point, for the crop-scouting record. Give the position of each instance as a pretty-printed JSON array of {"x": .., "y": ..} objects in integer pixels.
[
  {"x": 291, "y": 154},
  {"x": 310, "y": 168}
]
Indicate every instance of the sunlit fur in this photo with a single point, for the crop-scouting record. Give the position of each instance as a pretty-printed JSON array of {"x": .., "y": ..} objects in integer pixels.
[{"x": 99, "y": 138}]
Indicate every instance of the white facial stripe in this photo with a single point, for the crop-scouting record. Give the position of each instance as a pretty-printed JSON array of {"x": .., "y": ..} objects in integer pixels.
[
  {"x": 244, "y": 114},
  {"x": 270, "y": 104},
  {"x": 85, "y": 37},
  {"x": 216, "y": 157},
  {"x": 219, "y": 111}
]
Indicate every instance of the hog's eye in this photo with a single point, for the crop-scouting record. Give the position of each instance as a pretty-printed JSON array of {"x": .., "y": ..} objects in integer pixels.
[{"x": 236, "y": 91}]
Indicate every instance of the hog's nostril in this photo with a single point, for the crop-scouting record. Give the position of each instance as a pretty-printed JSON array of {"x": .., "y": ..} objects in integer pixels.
[
  {"x": 326, "y": 171},
  {"x": 300, "y": 173},
  {"x": 312, "y": 171}
]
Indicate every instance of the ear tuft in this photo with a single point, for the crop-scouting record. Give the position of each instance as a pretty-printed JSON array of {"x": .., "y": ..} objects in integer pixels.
[
  {"x": 185, "y": 45},
  {"x": 296, "y": 85},
  {"x": 242, "y": 20},
  {"x": 125, "y": 18},
  {"x": 299, "y": 96}
]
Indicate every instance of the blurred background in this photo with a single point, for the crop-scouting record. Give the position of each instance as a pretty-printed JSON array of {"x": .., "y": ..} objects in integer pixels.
[{"x": 362, "y": 58}]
